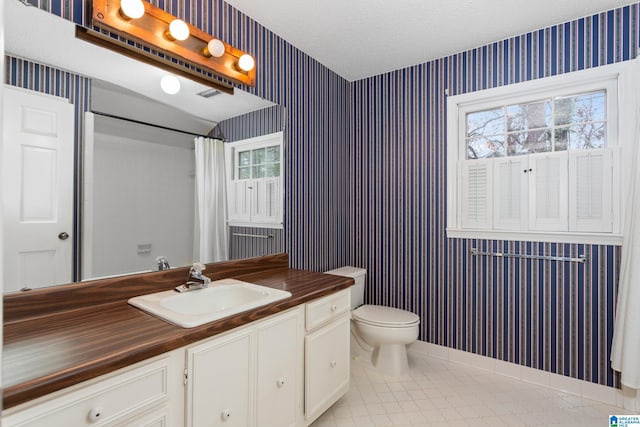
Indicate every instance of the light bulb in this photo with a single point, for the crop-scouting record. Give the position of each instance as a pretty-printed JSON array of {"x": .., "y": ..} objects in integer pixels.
[
  {"x": 214, "y": 48},
  {"x": 178, "y": 29},
  {"x": 246, "y": 62},
  {"x": 132, "y": 9},
  {"x": 170, "y": 84}
]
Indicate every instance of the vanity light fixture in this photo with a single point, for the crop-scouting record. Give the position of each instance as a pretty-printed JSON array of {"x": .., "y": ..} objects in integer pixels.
[
  {"x": 131, "y": 9},
  {"x": 168, "y": 43},
  {"x": 170, "y": 84},
  {"x": 178, "y": 30}
]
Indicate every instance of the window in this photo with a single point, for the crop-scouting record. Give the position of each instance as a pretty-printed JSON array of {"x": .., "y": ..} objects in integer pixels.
[
  {"x": 537, "y": 160},
  {"x": 561, "y": 123},
  {"x": 254, "y": 181}
]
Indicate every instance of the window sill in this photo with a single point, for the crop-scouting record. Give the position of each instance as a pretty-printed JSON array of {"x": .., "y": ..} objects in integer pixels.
[
  {"x": 272, "y": 225},
  {"x": 528, "y": 236}
]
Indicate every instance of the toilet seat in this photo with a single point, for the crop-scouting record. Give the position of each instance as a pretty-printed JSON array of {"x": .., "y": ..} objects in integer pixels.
[{"x": 388, "y": 317}]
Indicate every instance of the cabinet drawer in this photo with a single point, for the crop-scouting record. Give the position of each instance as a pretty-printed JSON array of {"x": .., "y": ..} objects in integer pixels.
[
  {"x": 99, "y": 404},
  {"x": 327, "y": 308}
]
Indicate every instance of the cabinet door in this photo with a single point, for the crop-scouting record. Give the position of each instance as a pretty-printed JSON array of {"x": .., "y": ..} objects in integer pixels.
[
  {"x": 279, "y": 366},
  {"x": 326, "y": 366},
  {"x": 219, "y": 381}
]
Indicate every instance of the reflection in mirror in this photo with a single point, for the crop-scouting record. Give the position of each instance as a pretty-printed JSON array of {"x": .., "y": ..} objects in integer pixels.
[
  {"x": 131, "y": 193},
  {"x": 139, "y": 200}
]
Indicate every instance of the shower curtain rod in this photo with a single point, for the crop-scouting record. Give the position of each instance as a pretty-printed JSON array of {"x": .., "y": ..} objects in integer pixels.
[{"x": 139, "y": 122}]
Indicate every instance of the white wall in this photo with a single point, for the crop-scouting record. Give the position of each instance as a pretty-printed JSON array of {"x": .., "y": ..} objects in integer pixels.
[{"x": 143, "y": 194}]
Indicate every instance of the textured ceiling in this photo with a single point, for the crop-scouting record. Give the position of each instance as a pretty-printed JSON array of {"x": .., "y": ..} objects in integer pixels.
[{"x": 362, "y": 38}]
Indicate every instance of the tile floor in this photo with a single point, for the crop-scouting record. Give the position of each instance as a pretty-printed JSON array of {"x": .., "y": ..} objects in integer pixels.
[{"x": 436, "y": 392}]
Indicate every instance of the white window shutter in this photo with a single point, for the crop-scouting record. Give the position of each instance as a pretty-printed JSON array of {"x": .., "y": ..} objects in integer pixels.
[
  {"x": 267, "y": 200},
  {"x": 590, "y": 190},
  {"x": 548, "y": 204},
  {"x": 239, "y": 200},
  {"x": 477, "y": 183},
  {"x": 510, "y": 190}
]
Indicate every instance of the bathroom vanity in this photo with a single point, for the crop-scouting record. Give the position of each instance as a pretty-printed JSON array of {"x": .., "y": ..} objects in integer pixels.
[{"x": 111, "y": 364}]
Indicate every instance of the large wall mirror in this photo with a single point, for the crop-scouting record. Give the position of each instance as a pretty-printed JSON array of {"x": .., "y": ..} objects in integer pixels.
[{"x": 127, "y": 158}]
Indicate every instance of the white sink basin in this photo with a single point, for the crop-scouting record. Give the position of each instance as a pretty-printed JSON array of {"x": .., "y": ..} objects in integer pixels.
[{"x": 221, "y": 299}]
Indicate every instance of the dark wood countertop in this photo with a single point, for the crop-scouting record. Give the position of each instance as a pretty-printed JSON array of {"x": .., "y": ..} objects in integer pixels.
[{"x": 47, "y": 353}]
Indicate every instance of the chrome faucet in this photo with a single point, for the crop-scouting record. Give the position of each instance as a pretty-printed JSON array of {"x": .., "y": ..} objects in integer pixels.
[
  {"x": 163, "y": 263},
  {"x": 195, "y": 279}
]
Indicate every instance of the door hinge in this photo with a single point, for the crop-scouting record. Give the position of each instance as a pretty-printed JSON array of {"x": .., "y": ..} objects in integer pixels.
[{"x": 185, "y": 378}]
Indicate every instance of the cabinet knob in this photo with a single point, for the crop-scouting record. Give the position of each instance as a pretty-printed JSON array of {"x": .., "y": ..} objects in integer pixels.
[
  {"x": 95, "y": 414},
  {"x": 226, "y": 414},
  {"x": 333, "y": 363},
  {"x": 280, "y": 382},
  {"x": 334, "y": 307}
]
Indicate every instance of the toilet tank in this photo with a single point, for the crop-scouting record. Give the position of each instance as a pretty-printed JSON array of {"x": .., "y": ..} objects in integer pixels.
[{"x": 357, "y": 290}]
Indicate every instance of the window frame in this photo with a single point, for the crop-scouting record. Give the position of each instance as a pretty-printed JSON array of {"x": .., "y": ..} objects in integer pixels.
[
  {"x": 616, "y": 79},
  {"x": 232, "y": 150}
]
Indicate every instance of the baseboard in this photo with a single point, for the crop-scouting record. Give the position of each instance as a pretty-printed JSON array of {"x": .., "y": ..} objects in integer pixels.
[{"x": 626, "y": 398}]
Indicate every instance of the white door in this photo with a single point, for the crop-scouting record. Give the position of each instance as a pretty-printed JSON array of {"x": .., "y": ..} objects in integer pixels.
[{"x": 37, "y": 181}]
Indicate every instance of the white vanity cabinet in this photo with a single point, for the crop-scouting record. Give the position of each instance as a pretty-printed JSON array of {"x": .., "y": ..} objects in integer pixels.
[
  {"x": 281, "y": 371},
  {"x": 147, "y": 394},
  {"x": 326, "y": 352},
  {"x": 251, "y": 376}
]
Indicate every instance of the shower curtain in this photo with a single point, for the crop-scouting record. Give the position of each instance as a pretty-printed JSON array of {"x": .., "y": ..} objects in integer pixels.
[
  {"x": 211, "y": 238},
  {"x": 625, "y": 352}
]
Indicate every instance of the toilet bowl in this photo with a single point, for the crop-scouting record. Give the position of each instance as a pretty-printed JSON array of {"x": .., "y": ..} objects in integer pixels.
[
  {"x": 379, "y": 334},
  {"x": 388, "y": 331}
]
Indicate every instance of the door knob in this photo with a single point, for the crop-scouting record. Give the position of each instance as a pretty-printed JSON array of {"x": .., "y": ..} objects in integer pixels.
[{"x": 63, "y": 236}]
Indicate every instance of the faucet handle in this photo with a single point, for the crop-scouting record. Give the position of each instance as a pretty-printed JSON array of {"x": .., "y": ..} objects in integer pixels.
[
  {"x": 162, "y": 263},
  {"x": 199, "y": 266},
  {"x": 195, "y": 272}
]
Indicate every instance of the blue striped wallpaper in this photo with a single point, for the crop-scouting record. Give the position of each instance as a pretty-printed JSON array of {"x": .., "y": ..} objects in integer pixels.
[
  {"x": 248, "y": 247},
  {"x": 548, "y": 315},
  {"x": 261, "y": 122},
  {"x": 52, "y": 81},
  {"x": 366, "y": 186}
]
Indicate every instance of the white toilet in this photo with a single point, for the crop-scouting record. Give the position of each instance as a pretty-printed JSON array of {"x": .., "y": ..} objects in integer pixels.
[{"x": 379, "y": 334}]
